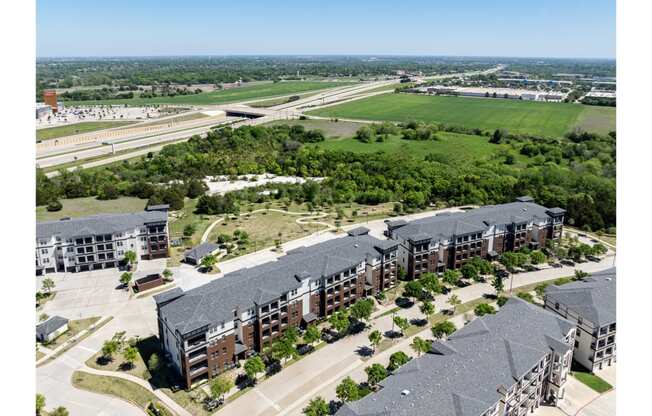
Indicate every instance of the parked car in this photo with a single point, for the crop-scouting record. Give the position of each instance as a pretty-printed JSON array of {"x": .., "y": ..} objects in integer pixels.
[
  {"x": 212, "y": 404},
  {"x": 594, "y": 258},
  {"x": 556, "y": 265},
  {"x": 304, "y": 349},
  {"x": 568, "y": 262}
]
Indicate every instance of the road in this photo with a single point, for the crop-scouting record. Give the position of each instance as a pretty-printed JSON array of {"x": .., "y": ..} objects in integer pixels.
[{"x": 137, "y": 142}]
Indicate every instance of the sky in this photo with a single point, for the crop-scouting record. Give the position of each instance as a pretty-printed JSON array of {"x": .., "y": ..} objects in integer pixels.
[{"x": 514, "y": 28}]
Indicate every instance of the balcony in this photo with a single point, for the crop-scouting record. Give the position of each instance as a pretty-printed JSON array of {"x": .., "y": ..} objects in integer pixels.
[
  {"x": 198, "y": 370},
  {"x": 196, "y": 357}
]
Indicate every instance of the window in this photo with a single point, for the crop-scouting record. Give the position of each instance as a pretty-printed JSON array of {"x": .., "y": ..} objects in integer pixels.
[
  {"x": 557, "y": 306},
  {"x": 579, "y": 320}
]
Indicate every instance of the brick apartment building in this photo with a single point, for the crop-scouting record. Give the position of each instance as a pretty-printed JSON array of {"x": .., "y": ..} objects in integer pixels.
[
  {"x": 204, "y": 331},
  {"x": 591, "y": 304},
  {"x": 506, "y": 364},
  {"x": 100, "y": 241},
  {"x": 448, "y": 240}
]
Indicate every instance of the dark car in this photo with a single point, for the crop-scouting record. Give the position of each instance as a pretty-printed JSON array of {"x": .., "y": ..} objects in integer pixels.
[
  {"x": 304, "y": 349},
  {"x": 568, "y": 262},
  {"x": 212, "y": 404},
  {"x": 594, "y": 259},
  {"x": 557, "y": 265}
]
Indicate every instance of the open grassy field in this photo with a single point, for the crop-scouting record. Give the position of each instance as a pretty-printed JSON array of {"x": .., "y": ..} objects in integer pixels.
[
  {"x": 452, "y": 146},
  {"x": 597, "y": 119},
  {"x": 548, "y": 119},
  {"x": 84, "y": 127},
  {"x": 329, "y": 128},
  {"x": 79, "y": 207},
  {"x": 259, "y": 90}
]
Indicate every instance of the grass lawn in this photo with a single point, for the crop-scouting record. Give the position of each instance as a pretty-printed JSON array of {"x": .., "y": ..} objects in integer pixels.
[
  {"x": 331, "y": 129},
  {"x": 592, "y": 381},
  {"x": 246, "y": 92},
  {"x": 455, "y": 148},
  {"x": 83, "y": 127},
  {"x": 114, "y": 386},
  {"x": 548, "y": 119},
  {"x": 79, "y": 207},
  {"x": 74, "y": 328},
  {"x": 597, "y": 119}
]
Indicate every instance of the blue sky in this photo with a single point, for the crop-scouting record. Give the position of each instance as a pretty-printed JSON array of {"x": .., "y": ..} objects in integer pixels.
[{"x": 551, "y": 28}]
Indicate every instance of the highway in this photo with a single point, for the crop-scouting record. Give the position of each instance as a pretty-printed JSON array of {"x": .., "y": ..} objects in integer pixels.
[{"x": 142, "y": 143}]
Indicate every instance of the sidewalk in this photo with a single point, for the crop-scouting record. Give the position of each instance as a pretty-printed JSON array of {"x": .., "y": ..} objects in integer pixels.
[{"x": 171, "y": 404}]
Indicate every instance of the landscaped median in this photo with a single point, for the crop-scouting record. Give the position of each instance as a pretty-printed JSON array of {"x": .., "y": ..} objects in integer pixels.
[
  {"x": 78, "y": 331},
  {"x": 592, "y": 381}
]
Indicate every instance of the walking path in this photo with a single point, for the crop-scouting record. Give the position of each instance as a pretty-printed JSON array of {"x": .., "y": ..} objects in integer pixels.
[{"x": 171, "y": 404}]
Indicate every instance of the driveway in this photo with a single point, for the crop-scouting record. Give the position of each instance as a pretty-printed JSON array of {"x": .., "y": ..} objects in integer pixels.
[{"x": 604, "y": 405}]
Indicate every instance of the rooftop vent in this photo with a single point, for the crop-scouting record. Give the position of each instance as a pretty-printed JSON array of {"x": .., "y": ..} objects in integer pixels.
[
  {"x": 356, "y": 245},
  {"x": 405, "y": 393},
  {"x": 609, "y": 279}
]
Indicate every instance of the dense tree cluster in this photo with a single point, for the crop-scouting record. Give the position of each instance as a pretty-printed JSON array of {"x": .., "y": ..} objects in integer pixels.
[{"x": 577, "y": 173}]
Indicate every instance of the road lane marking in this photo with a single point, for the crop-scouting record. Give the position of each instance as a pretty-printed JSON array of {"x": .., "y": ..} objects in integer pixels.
[{"x": 267, "y": 400}]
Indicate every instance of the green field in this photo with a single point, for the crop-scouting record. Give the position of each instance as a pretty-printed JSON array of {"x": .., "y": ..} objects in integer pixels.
[
  {"x": 454, "y": 147},
  {"x": 84, "y": 127},
  {"x": 329, "y": 128},
  {"x": 548, "y": 119},
  {"x": 247, "y": 92},
  {"x": 80, "y": 207}
]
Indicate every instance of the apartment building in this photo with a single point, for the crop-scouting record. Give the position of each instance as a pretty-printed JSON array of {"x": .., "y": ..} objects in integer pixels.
[
  {"x": 204, "y": 331},
  {"x": 591, "y": 304},
  {"x": 506, "y": 364},
  {"x": 449, "y": 240},
  {"x": 100, "y": 241}
]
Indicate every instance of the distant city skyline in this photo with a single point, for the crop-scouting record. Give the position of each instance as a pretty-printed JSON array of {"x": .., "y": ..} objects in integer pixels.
[{"x": 473, "y": 28}]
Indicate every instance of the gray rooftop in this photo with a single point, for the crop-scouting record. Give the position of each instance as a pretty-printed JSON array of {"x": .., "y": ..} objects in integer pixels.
[
  {"x": 49, "y": 326},
  {"x": 594, "y": 298},
  {"x": 461, "y": 376},
  {"x": 199, "y": 252},
  {"x": 98, "y": 224},
  {"x": 447, "y": 225},
  {"x": 215, "y": 302}
]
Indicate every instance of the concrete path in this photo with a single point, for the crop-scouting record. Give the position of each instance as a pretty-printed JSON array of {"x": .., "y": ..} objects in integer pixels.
[{"x": 171, "y": 404}]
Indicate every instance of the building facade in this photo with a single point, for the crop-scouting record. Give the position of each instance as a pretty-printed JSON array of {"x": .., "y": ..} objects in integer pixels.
[
  {"x": 507, "y": 364},
  {"x": 591, "y": 304},
  {"x": 206, "y": 330},
  {"x": 449, "y": 240},
  {"x": 100, "y": 241}
]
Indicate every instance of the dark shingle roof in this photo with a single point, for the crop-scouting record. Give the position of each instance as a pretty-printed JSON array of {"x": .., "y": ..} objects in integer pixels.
[
  {"x": 215, "y": 302},
  {"x": 447, "y": 225},
  {"x": 463, "y": 376},
  {"x": 52, "y": 324},
  {"x": 97, "y": 224},
  {"x": 199, "y": 252},
  {"x": 594, "y": 298}
]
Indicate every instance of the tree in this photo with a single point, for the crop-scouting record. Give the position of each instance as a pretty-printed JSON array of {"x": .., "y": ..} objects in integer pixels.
[
  {"x": 427, "y": 308},
  {"x": 47, "y": 285},
  {"x": 362, "y": 309},
  {"x": 208, "y": 262},
  {"x": 130, "y": 353},
  {"x": 220, "y": 386},
  {"x": 59, "y": 411},
  {"x": 189, "y": 230},
  {"x": 311, "y": 335},
  {"x": 253, "y": 366},
  {"x": 540, "y": 289},
  {"x": 443, "y": 329},
  {"x": 580, "y": 274},
  {"x": 109, "y": 348},
  {"x": 347, "y": 390},
  {"x": 130, "y": 257},
  {"x": 40, "y": 403},
  {"x": 430, "y": 283},
  {"x": 537, "y": 257},
  {"x": 469, "y": 271},
  {"x": 283, "y": 349},
  {"x": 340, "y": 322},
  {"x": 374, "y": 338},
  {"x": 375, "y": 374},
  {"x": 397, "y": 359},
  {"x": 498, "y": 284},
  {"x": 420, "y": 346},
  {"x": 498, "y": 134},
  {"x": 316, "y": 407},
  {"x": 599, "y": 249},
  {"x": 402, "y": 323},
  {"x": 451, "y": 276},
  {"x": 153, "y": 363},
  {"x": 484, "y": 309},
  {"x": 54, "y": 206},
  {"x": 167, "y": 274},
  {"x": 125, "y": 279},
  {"x": 291, "y": 335},
  {"x": 413, "y": 289},
  {"x": 454, "y": 301},
  {"x": 483, "y": 266}
]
